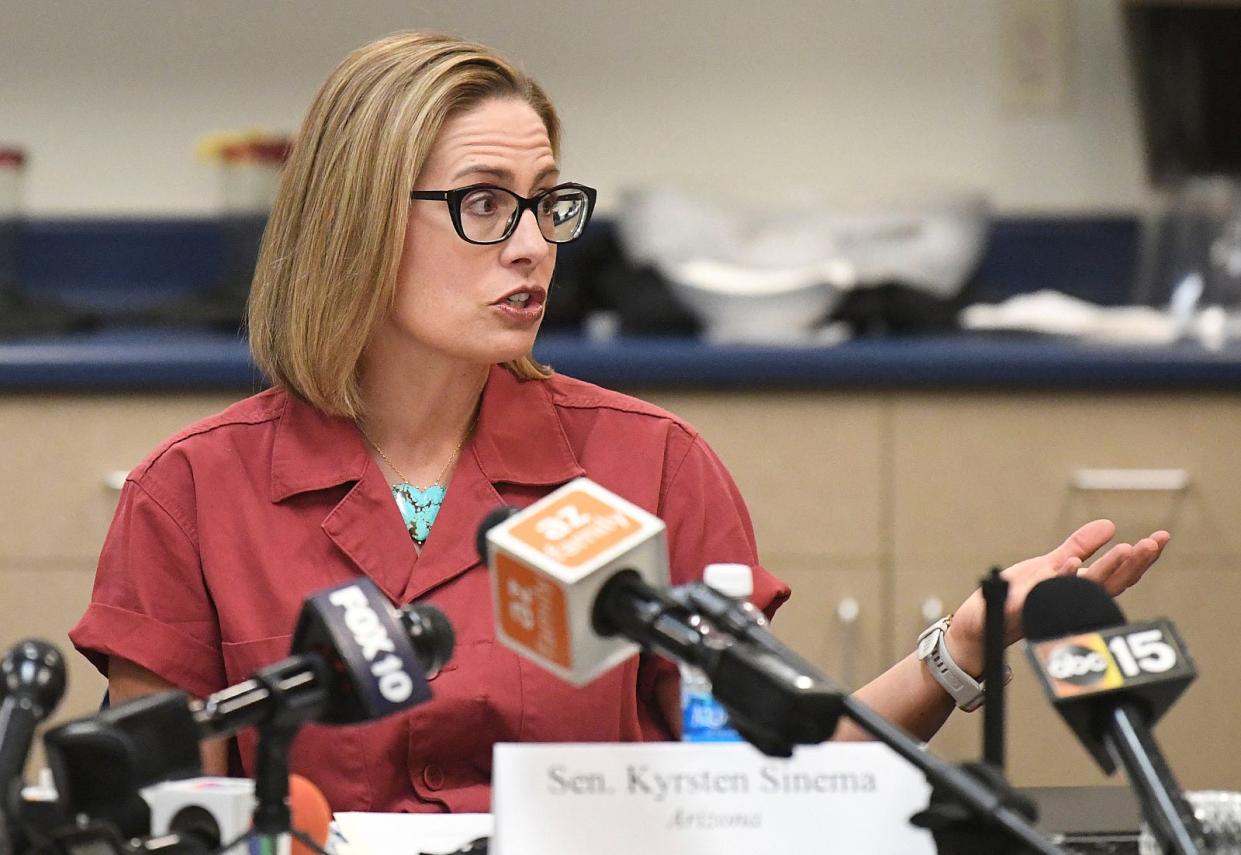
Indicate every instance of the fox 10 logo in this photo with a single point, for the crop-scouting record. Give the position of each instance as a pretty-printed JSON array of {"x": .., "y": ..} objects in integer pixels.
[{"x": 1101, "y": 661}]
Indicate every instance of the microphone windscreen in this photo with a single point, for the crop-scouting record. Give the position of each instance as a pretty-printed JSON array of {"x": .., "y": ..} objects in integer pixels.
[
  {"x": 1067, "y": 605},
  {"x": 431, "y": 634},
  {"x": 493, "y": 519},
  {"x": 35, "y": 670},
  {"x": 309, "y": 813}
]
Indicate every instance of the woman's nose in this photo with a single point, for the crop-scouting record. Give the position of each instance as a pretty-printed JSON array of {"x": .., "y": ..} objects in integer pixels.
[{"x": 526, "y": 243}]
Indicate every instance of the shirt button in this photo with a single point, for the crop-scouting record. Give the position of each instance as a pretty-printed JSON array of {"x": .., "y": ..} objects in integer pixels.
[{"x": 433, "y": 776}]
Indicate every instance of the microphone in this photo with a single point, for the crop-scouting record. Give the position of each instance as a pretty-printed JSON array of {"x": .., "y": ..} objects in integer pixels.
[
  {"x": 33, "y": 675},
  {"x": 576, "y": 584},
  {"x": 580, "y": 567},
  {"x": 33, "y": 680},
  {"x": 354, "y": 659},
  {"x": 312, "y": 815},
  {"x": 549, "y": 564},
  {"x": 203, "y": 814},
  {"x": 1111, "y": 681},
  {"x": 209, "y": 813}
]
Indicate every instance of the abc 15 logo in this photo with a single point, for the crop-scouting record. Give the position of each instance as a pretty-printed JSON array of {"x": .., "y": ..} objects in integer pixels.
[{"x": 1102, "y": 661}]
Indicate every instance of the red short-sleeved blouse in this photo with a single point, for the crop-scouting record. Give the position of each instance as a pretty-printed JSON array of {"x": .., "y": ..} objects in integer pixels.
[{"x": 224, "y": 530}]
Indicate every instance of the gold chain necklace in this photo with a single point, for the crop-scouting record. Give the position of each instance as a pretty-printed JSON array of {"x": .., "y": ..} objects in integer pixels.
[
  {"x": 420, "y": 506},
  {"x": 438, "y": 478}
]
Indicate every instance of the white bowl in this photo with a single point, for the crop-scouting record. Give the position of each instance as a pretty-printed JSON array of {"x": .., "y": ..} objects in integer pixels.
[{"x": 760, "y": 307}]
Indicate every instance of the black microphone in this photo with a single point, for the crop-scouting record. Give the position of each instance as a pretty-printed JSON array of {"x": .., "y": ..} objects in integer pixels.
[
  {"x": 774, "y": 697},
  {"x": 354, "y": 659},
  {"x": 572, "y": 572},
  {"x": 1111, "y": 681},
  {"x": 494, "y": 517},
  {"x": 577, "y": 585},
  {"x": 33, "y": 675}
]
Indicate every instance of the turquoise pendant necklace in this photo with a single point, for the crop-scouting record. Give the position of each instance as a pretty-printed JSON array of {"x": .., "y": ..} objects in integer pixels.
[{"x": 420, "y": 506}]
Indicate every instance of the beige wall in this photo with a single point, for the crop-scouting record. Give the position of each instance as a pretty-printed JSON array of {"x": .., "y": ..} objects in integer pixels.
[{"x": 849, "y": 97}]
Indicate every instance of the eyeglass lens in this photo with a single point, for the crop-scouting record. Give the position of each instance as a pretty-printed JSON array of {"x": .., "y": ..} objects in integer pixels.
[{"x": 489, "y": 214}]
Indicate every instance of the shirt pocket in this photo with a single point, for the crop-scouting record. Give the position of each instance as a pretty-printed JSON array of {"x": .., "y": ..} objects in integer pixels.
[
  {"x": 332, "y": 757},
  {"x": 476, "y": 701},
  {"x": 559, "y": 711}
]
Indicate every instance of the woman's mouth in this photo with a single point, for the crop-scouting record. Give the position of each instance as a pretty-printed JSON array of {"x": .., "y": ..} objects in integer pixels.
[{"x": 524, "y": 305}]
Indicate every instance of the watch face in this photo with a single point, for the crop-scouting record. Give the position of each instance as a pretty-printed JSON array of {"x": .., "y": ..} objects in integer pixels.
[{"x": 926, "y": 644}]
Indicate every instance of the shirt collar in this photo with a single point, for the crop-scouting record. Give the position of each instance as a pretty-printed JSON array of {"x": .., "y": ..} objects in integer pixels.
[
  {"x": 314, "y": 451},
  {"x": 518, "y": 440}
]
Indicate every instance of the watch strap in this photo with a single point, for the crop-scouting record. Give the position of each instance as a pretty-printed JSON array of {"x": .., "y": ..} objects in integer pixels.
[{"x": 966, "y": 692}]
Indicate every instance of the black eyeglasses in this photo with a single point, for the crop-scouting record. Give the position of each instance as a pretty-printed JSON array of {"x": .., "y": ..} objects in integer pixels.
[{"x": 486, "y": 214}]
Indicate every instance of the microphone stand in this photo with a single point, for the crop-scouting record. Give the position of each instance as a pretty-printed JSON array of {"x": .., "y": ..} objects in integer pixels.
[
  {"x": 956, "y": 830},
  {"x": 981, "y": 797},
  {"x": 1166, "y": 810},
  {"x": 287, "y": 713},
  {"x": 101, "y": 763},
  {"x": 995, "y": 596},
  {"x": 272, "y": 817}
]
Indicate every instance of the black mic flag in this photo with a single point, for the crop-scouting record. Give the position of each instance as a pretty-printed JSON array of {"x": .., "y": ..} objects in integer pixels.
[
  {"x": 1111, "y": 681},
  {"x": 1086, "y": 655}
]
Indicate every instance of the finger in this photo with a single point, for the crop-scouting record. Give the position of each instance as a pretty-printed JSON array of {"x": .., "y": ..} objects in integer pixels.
[
  {"x": 1084, "y": 542},
  {"x": 1123, "y": 565},
  {"x": 1145, "y": 552},
  {"x": 1108, "y": 565}
]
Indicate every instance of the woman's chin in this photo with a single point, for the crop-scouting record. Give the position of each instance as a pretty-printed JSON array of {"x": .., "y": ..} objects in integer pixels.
[
  {"x": 479, "y": 347},
  {"x": 510, "y": 347}
]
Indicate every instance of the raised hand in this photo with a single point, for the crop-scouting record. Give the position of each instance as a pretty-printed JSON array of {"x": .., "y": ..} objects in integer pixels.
[{"x": 1116, "y": 570}]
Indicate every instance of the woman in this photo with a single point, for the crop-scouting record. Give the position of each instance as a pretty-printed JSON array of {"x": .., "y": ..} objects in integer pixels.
[{"x": 399, "y": 290}]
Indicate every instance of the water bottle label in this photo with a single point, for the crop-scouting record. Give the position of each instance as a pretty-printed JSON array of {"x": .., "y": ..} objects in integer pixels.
[{"x": 705, "y": 720}]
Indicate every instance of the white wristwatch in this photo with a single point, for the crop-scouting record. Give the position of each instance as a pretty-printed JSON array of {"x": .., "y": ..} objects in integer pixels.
[{"x": 967, "y": 692}]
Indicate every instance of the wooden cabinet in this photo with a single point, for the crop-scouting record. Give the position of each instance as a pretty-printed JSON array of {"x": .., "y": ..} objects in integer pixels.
[
  {"x": 811, "y": 470},
  {"x": 877, "y": 507},
  {"x": 992, "y": 477},
  {"x": 903, "y": 500},
  {"x": 64, "y": 456},
  {"x": 43, "y": 599},
  {"x": 985, "y": 479}
]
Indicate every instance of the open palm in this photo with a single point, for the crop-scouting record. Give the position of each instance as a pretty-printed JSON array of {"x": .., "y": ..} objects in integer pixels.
[{"x": 1116, "y": 570}]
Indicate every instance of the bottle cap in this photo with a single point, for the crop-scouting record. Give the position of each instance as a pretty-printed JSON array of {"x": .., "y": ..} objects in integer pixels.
[
  {"x": 731, "y": 580},
  {"x": 12, "y": 157}
]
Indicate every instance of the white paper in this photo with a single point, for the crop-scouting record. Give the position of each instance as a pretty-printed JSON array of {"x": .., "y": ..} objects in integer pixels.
[
  {"x": 408, "y": 833},
  {"x": 705, "y": 799}
]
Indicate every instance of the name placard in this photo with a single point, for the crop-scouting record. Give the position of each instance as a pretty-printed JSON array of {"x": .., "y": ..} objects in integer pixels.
[{"x": 713, "y": 799}]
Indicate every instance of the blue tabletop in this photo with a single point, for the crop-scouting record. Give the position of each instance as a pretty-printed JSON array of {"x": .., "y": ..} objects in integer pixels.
[
  {"x": 124, "y": 264},
  {"x": 164, "y": 359}
]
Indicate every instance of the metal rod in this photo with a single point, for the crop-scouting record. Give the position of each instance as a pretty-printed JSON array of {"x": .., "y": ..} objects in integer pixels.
[{"x": 995, "y": 595}]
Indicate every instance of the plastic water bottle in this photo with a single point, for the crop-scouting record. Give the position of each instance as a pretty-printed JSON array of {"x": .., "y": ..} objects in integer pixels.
[{"x": 703, "y": 718}]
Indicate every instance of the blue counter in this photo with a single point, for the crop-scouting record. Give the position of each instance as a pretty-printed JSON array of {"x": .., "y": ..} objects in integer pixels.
[
  {"x": 129, "y": 263},
  {"x": 138, "y": 359}
]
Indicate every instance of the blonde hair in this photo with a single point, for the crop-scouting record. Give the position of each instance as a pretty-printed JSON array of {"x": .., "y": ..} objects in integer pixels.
[{"x": 326, "y": 273}]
